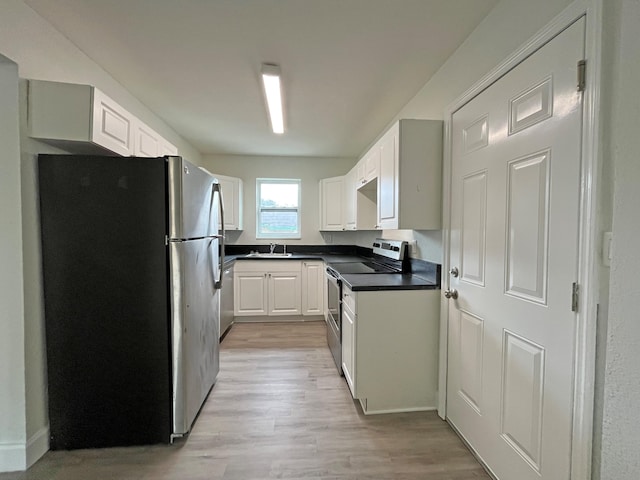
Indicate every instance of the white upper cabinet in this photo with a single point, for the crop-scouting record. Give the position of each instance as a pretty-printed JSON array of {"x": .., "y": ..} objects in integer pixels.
[
  {"x": 388, "y": 184},
  {"x": 112, "y": 126},
  {"x": 397, "y": 184},
  {"x": 368, "y": 167},
  {"x": 148, "y": 143},
  {"x": 410, "y": 178},
  {"x": 332, "y": 203},
  {"x": 81, "y": 118},
  {"x": 350, "y": 191},
  {"x": 232, "y": 188}
]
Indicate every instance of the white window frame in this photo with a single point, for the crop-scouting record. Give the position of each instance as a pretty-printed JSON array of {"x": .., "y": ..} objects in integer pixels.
[{"x": 278, "y": 236}]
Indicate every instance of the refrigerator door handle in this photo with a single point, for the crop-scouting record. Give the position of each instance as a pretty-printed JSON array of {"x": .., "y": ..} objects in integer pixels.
[{"x": 215, "y": 188}]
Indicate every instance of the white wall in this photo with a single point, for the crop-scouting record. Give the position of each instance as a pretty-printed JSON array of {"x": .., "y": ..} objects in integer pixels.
[
  {"x": 43, "y": 53},
  {"x": 12, "y": 358},
  {"x": 504, "y": 29},
  {"x": 40, "y": 52},
  {"x": 619, "y": 456},
  {"x": 509, "y": 25},
  {"x": 309, "y": 169}
]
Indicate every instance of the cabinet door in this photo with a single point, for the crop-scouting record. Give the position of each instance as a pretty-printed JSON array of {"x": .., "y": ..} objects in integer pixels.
[
  {"x": 372, "y": 165},
  {"x": 361, "y": 172},
  {"x": 146, "y": 142},
  {"x": 284, "y": 296},
  {"x": 250, "y": 293},
  {"x": 226, "y": 300},
  {"x": 388, "y": 181},
  {"x": 232, "y": 200},
  {"x": 166, "y": 148},
  {"x": 349, "y": 349},
  {"x": 350, "y": 193},
  {"x": 112, "y": 125},
  {"x": 331, "y": 203},
  {"x": 313, "y": 288}
]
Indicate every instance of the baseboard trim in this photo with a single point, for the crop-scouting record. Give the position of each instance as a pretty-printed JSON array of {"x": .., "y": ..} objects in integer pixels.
[
  {"x": 37, "y": 446},
  {"x": 17, "y": 457}
]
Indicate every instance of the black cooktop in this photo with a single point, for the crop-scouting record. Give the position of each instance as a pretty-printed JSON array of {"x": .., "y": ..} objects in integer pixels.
[{"x": 361, "y": 267}]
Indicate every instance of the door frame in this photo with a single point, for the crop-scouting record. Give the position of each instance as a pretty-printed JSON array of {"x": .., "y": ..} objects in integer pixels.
[{"x": 588, "y": 242}]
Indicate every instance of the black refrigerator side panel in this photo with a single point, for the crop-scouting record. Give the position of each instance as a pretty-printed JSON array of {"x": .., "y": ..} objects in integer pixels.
[{"x": 105, "y": 275}]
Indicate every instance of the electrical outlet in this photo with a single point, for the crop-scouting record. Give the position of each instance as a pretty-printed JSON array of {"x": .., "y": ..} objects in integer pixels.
[{"x": 328, "y": 238}]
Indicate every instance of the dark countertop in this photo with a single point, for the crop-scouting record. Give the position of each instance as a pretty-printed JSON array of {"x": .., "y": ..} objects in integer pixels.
[
  {"x": 424, "y": 275},
  {"x": 388, "y": 281},
  {"x": 326, "y": 257}
]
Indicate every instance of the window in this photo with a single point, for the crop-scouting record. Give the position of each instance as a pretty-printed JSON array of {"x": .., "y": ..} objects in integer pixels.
[{"x": 278, "y": 208}]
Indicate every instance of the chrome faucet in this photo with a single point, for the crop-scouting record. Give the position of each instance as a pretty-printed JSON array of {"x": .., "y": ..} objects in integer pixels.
[{"x": 272, "y": 247}]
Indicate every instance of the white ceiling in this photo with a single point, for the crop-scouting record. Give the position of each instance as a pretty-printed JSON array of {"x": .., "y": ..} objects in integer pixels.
[{"x": 348, "y": 66}]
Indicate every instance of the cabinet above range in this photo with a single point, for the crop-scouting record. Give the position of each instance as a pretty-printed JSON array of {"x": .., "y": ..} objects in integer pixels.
[
  {"x": 397, "y": 184},
  {"x": 82, "y": 119}
]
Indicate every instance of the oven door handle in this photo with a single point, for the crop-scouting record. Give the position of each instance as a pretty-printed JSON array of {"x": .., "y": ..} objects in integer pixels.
[{"x": 333, "y": 279}]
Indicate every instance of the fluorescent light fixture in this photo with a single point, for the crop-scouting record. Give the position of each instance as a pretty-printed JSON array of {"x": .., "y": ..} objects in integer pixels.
[{"x": 273, "y": 93}]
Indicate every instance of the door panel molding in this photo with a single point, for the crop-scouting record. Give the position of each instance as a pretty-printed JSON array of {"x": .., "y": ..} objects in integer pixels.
[
  {"x": 527, "y": 242},
  {"x": 470, "y": 356},
  {"x": 531, "y": 107},
  {"x": 522, "y": 397},
  {"x": 473, "y": 233},
  {"x": 587, "y": 242}
]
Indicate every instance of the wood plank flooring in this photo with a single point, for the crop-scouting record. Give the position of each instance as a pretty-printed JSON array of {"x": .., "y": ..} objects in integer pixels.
[{"x": 280, "y": 410}]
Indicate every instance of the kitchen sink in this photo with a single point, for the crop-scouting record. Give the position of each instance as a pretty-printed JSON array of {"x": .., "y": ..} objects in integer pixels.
[{"x": 267, "y": 255}]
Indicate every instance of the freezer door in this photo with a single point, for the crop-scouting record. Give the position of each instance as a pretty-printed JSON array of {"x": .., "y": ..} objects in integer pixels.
[
  {"x": 195, "y": 327},
  {"x": 193, "y": 212}
]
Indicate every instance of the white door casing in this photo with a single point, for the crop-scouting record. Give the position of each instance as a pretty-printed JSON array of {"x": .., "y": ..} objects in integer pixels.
[{"x": 514, "y": 227}]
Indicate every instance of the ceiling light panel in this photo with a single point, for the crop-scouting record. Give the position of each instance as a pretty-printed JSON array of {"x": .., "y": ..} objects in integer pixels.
[{"x": 273, "y": 94}]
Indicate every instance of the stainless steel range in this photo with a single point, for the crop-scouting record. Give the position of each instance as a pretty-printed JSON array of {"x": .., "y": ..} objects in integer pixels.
[{"x": 388, "y": 257}]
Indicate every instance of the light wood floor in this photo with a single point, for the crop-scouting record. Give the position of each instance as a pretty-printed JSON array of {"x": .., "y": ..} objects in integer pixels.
[{"x": 280, "y": 410}]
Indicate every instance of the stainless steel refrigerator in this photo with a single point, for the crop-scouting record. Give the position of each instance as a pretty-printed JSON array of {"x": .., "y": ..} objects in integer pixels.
[{"x": 131, "y": 257}]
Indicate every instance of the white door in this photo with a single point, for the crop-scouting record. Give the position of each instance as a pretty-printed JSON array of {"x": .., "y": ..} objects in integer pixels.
[{"x": 514, "y": 241}]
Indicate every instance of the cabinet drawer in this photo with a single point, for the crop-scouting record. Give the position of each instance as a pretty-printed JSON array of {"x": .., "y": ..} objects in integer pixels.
[
  {"x": 268, "y": 266},
  {"x": 349, "y": 299}
]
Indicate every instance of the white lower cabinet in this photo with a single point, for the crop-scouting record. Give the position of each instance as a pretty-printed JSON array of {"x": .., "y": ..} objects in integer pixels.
[
  {"x": 349, "y": 348},
  {"x": 283, "y": 291},
  {"x": 390, "y": 348},
  {"x": 313, "y": 287},
  {"x": 267, "y": 288},
  {"x": 249, "y": 293}
]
